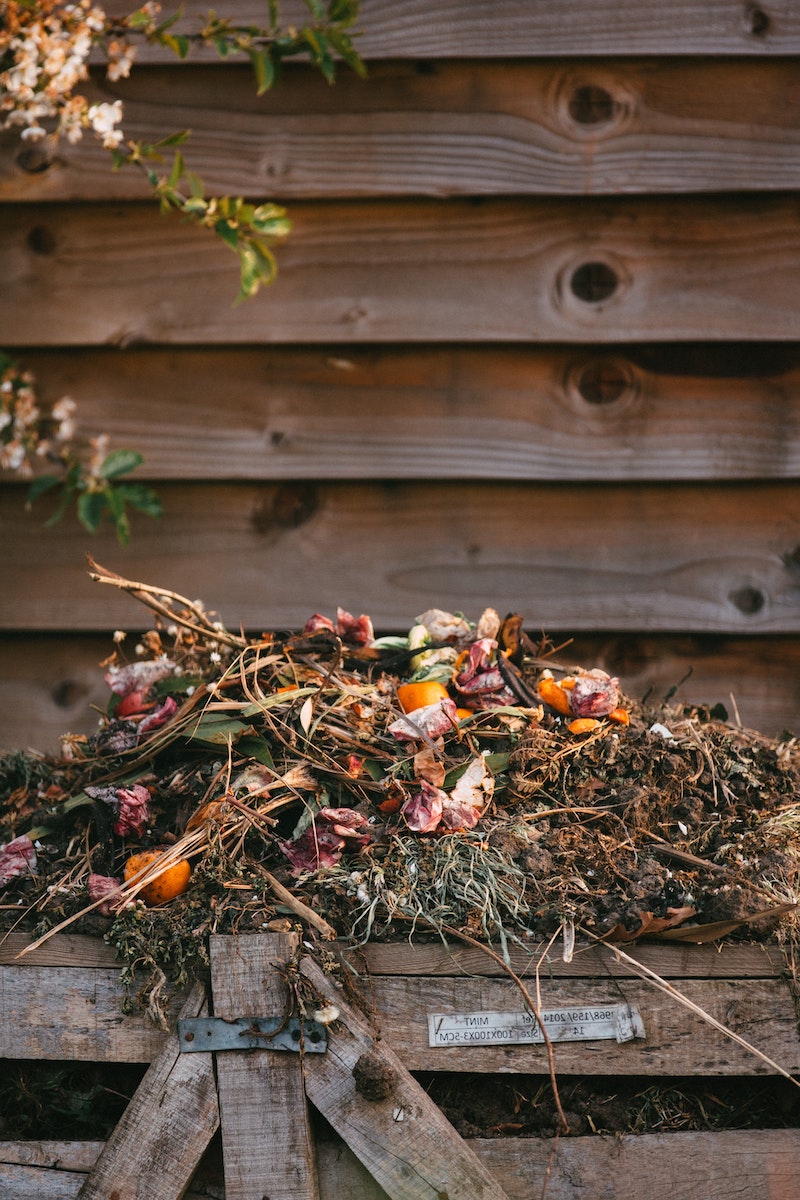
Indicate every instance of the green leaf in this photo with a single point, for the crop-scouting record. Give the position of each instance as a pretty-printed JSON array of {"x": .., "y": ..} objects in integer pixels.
[
  {"x": 172, "y": 139},
  {"x": 317, "y": 10},
  {"x": 342, "y": 12},
  {"x": 195, "y": 185},
  {"x": 195, "y": 206},
  {"x": 45, "y": 483},
  {"x": 216, "y": 729},
  {"x": 228, "y": 232},
  {"x": 263, "y": 69},
  {"x": 177, "y": 169},
  {"x": 122, "y": 528},
  {"x": 91, "y": 506},
  {"x": 120, "y": 462},
  {"x": 253, "y": 746},
  {"x": 142, "y": 498}
]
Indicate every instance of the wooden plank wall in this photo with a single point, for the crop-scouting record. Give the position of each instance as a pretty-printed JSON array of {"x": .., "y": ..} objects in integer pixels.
[{"x": 534, "y": 344}]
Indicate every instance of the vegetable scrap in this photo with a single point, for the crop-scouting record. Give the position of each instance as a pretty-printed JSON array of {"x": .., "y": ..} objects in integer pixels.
[{"x": 455, "y": 777}]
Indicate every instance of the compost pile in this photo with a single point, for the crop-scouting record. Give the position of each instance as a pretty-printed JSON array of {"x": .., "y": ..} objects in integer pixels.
[{"x": 459, "y": 779}]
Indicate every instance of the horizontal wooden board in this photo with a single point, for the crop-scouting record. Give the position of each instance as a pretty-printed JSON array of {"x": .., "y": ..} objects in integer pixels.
[
  {"x": 676, "y": 1043},
  {"x": 757, "y": 1164},
  {"x": 413, "y": 29},
  {"x": 727, "y": 961},
  {"x": 450, "y": 128},
  {"x": 58, "y": 1170},
  {"x": 670, "y": 961},
  {"x": 66, "y": 1014},
  {"x": 662, "y": 557},
  {"x": 761, "y": 1165},
  {"x": 572, "y": 270},
  {"x": 560, "y": 413}
]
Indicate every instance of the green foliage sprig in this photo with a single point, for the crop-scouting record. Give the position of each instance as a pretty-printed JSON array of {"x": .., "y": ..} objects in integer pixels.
[
  {"x": 87, "y": 473},
  {"x": 44, "y": 53}
]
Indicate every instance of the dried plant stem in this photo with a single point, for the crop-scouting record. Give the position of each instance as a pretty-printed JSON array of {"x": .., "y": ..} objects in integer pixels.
[
  {"x": 667, "y": 988},
  {"x": 298, "y": 907},
  {"x": 154, "y": 598},
  {"x": 533, "y": 1007}
]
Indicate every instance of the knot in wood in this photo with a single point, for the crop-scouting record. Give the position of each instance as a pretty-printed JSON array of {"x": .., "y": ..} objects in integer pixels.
[{"x": 374, "y": 1076}]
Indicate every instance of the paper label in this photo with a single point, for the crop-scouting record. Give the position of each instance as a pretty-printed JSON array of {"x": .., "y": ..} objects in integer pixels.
[{"x": 583, "y": 1023}]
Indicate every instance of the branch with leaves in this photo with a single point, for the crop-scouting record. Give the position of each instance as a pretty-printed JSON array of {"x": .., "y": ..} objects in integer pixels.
[
  {"x": 87, "y": 472},
  {"x": 45, "y": 47}
]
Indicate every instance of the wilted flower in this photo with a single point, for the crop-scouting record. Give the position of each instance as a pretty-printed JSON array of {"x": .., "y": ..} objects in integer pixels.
[
  {"x": 17, "y": 858},
  {"x": 595, "y": 694}
]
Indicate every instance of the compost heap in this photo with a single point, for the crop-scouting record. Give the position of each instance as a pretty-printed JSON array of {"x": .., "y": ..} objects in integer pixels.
[{"x": 455, "y": 780}]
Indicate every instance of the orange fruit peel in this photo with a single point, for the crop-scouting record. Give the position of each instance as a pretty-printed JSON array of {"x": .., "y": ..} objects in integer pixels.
[{"x": 172, "y": 881}]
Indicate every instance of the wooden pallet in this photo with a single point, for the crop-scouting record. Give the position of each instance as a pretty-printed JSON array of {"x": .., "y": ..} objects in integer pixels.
[{"x": 62, "y": 1002}]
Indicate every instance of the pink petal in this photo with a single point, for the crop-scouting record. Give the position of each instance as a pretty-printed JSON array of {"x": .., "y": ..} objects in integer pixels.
[
  {"x": 432, "y": 721},
  {"x": 17, "y": 858},
  {"x": 423, "y": 810}
]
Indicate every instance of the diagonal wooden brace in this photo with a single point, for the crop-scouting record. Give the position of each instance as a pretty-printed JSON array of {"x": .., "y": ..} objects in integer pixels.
[
  {"x": 155, "y": 1149},
  {"x": 385, "y": 1116}
]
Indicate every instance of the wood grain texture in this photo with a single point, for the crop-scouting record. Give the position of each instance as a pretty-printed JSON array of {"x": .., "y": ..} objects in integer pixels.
[
  {"x": 453, "y": 128},
  {"x": 727, "y": 961},
  {"x": 266, "y": 1137},
  {"x": 73, "y": 1014},
  {"x": 734, "y": 1164},
  {"x": 666, "y": 558},
  {"x": 677, "y": 1042},
  {"x": 157, "y": 1145},
  {"x": 728, "y": 1165},
  {"x": 671, "y": 961},
  {"x": 586, "y": 413},
  {"x": 48, "y": 683},
  {"x": 424, "y": 270},
  {"x": 454, "y": 28},
  {"x": 398, "y": 1133},
  {"x": 61, "y": 950},
  {"x": 51, "y": 1170}
]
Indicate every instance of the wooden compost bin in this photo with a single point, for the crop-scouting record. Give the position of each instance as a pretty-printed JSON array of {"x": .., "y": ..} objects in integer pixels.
[{"x": 62, "y": 1002}]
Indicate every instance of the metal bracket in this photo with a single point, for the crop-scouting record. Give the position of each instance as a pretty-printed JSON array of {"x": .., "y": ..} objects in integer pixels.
[{"x": 251, "y": 1033}]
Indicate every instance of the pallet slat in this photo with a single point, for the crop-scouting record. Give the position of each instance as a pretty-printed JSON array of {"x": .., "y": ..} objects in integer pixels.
[
  {"x": 265, "y": 1125},
  {"x": 62, "y": 1013},
  {"x": 156, "y": 1147},
  {"x": 570, "y": 270}
]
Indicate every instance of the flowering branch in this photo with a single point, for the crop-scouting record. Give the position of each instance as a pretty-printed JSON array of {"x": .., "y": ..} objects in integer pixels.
[
  {"x": 44, "y": 54},
  {"x": 89, "y": 473}
]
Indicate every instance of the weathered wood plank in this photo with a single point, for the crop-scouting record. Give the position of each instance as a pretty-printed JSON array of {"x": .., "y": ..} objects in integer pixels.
[
  {"x": 736, "y": 1165},
  {"x": 387, "y": 1119},
  {"x": 670, "y": 962},
  {"x": 61, "y": 950},
  {"x": 513, "y": 28},
  {"x": 58, "y": 1171},
  {"x": 157, "y": 1145},
  {"x": 570, "y": 270},
  {"x": 266, "y": 1136},
  {"x": 73, "y": 1014},
  {"x": 753, "y": 1165},
  {"x": 676, "y": 1043},
  {"x": 459, "y": 128},
  {"x": 664, "y": 558},
  {"x": 352, "y": 412}
]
